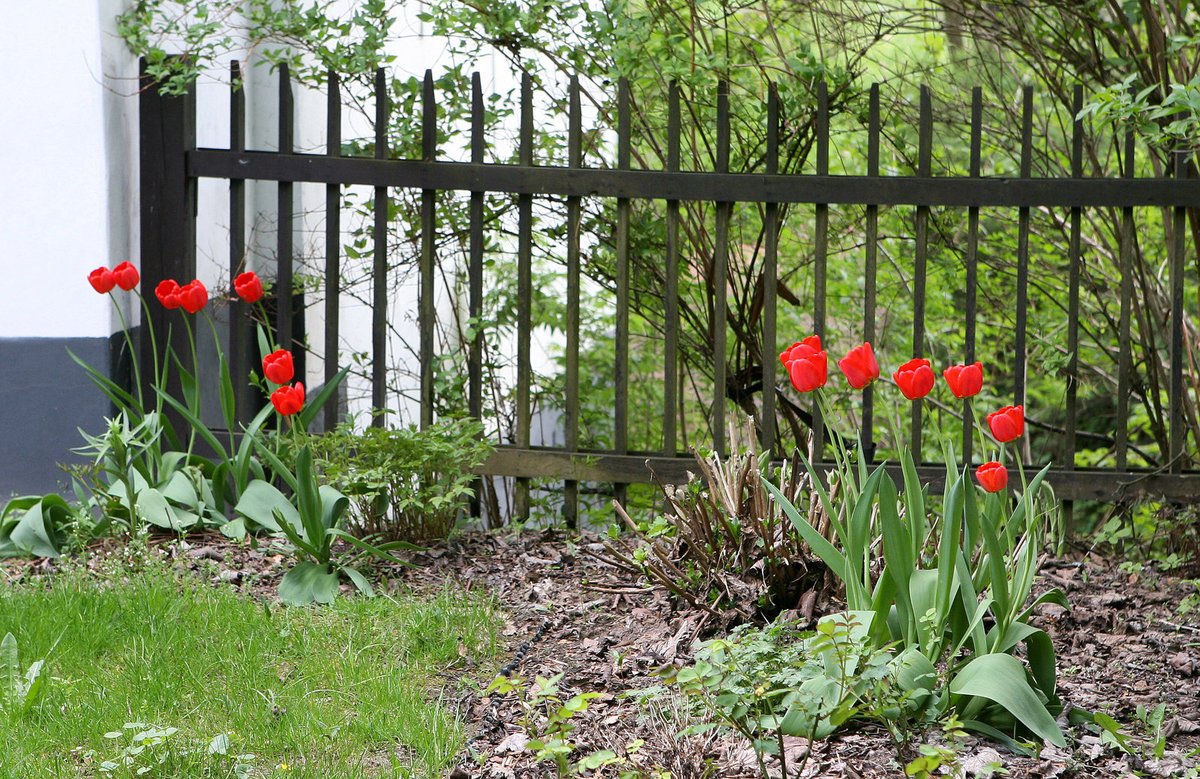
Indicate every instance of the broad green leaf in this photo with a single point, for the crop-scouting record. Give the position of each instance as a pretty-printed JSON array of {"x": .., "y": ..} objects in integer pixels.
[
  {"x": 1001, "y": 679},
  {"x": 359, "y": 581},
  {"x": 259, "y": 503},
  {"x": 308, "y": 583}
]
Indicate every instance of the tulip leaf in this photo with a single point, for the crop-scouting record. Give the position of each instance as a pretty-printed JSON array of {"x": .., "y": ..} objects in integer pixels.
[
  {"x": 259, "y": 503},
  {"x": 1001, "y": 679},
  {"x": 307, "y": 583},
  {"x": 820, "y": 546}
]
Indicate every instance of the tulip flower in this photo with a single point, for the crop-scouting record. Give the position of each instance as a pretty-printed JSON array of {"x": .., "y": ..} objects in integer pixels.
[
  {"x": 193, "y": 296},
  {"x": 167, "y": 293},
  {"x": 278, "y": 367},
  {"x": 248, "y": 286},
  {"x": 1007, "y": 424},
  {"x": 126, "y": 276},
  {"x": 915, "y": 378},
  {"x": 102, "y": 280},
  {"x": 806, "y": 363},
  {"x": 860, "y": 366},
  {"x": 992, "y": 476},
  {"x": 288, "y": 399},
  {"x": 964, "y": 380}
]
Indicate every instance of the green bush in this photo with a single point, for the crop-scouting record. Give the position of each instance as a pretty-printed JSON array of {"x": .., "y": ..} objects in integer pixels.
[{"x": 404, "y": 484}]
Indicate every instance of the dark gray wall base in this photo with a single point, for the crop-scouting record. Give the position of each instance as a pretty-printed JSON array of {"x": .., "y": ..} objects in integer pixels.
[{"x": 45, "y": 399}]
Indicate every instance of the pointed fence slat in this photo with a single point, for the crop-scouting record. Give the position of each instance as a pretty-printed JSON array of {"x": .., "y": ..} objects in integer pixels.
[
  {"x": 333, "y": 243},
  {"x": 770, "y": 273},
  {"x": 241, "y": 341},
  {"x": 720, "y": 276},
  {"x": 871, "y": 268},
  {"x": 379, "y": 274},
  {"x": 921, "y": 258},
  {"x": 524, "y": 296},
  {"x": 574, "y": 216},
  {"x": 284, "y": 250},
  {"x": 972, "y": 262}
]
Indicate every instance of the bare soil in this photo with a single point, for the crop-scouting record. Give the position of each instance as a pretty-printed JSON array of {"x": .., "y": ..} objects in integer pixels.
[{"x": 1124, "y": 642}]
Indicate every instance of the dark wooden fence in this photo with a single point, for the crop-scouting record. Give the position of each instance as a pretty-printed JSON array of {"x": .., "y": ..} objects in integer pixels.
[{"x": 171, "y": 164}]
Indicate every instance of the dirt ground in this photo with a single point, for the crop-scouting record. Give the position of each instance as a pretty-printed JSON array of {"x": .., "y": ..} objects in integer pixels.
[{"x": 1123, "y": 643}]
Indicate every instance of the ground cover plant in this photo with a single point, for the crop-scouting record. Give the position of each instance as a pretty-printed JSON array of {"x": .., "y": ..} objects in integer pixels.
[{"x": 205, "y": 680}]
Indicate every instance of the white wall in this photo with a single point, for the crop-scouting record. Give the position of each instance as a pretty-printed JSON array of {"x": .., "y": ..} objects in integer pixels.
[{"x": 63, "y": 207}]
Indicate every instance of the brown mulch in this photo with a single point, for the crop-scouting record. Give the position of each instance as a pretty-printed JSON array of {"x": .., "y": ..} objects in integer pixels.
[{"x": 1123, "y": 643}]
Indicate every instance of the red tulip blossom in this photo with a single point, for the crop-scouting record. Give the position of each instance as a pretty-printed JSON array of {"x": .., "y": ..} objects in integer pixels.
[
  {"x": 167, "y": 293},
  {"x": 964, "y": 380},
  {"x": 248, "y": 286},
  {"x": 1007, "y": 424},
  {"x": 992, "y": 476},
  {"x": 102, "y": 280},
  {"x": 860, "y": 366},
  {"x": 288, "y": 399},
  {"x": 915, "y": 378},
  {"x": 193, "y": 296},
  {"x": 806, "y": 364},
  {"x": 278, "y": 368},
  {"x": 126, "y": 275}
]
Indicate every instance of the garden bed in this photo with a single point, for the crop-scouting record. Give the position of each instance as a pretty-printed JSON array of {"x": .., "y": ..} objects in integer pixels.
[{"x": 1123, "y": 644}]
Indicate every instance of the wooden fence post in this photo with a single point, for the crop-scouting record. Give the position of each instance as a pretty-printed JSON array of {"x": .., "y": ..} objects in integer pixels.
[{"x": 167, "y": 126}]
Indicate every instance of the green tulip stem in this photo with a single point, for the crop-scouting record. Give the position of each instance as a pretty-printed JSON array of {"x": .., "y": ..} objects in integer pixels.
[
  {"x": 160, "y": 376},
  {"x": 193, "y": 401},
  {"x": 137, "y": 373}
]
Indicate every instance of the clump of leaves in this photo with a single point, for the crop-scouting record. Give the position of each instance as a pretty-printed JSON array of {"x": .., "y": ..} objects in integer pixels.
[
  {"x": 547, "y": 719},
  {"x": 776, "y": 682},
  {"x": 405, "y": 484},
  {"x": 724, "y": 545},
  {"x": 312, "y": 521}
]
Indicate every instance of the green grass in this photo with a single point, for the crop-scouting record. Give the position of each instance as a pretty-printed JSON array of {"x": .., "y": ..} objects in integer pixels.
[{"x": 349, "y": 690}]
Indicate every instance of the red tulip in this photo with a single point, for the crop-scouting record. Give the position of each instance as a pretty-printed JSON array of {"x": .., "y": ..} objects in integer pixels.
[
  {"x": 278, "y": 368},
  {"x": 1007, "y": 424},
  {"x": 102, "y": 280},
  {"x": 992, "y": 476},
  {"x": 288, "y": 399},
  {"x": 249, "y": 287},
  {"x": 915, "y": 378},
  {"x": 193, "y": 296},
  {"x": 167, "y": 293},
  {"x": 806, "y": 364},
  {"x": 964, "y": 380},
  {"x": 126, "y": 275},
  {"x": 860, "y": 366}
]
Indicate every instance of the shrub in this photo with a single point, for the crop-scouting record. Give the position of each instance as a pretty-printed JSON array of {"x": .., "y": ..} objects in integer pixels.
[
  {"x": 724, "y": 545},
  {"x": 405, "y": 484}
]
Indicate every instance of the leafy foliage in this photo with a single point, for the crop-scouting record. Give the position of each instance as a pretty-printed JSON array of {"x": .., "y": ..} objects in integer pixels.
[
  {"x": 312, "y": 522},
  {"x": 777, "y": 681},
  {"x": 951, "y": 588},
  {"x": 405, "y": 484}
]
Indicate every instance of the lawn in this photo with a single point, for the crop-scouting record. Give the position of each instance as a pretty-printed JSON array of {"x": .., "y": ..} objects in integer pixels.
[{"x": 350, "y": 690}]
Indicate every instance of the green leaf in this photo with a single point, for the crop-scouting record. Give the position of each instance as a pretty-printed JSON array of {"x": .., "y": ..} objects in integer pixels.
[
  {"x": 313, "y": 405},
  {"x": 1001, "y": 679},
  {"x": 359, "y": 581},
  {"x": 259, "y": 503},
  {"x": 308, "y": 583},
  {"x": 821, "y": 547},
  {"x": 10, "y": 671}
]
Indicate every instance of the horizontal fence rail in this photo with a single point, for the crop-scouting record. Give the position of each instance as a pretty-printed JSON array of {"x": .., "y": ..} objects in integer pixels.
[
  {"x": 171, "y": 164},
  {"x": 716, "y": 187}
]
